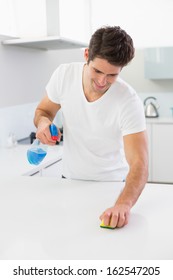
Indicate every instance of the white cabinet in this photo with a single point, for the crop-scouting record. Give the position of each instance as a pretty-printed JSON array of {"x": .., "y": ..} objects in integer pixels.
[
  {"x": 56, "y": 24},
  {"x": 158, "y": 63},
  {"x": 149, "y": 150},
  {"x": 160, "y": 152},
  {"x": 23, "y": 18},
  {"x": 53, "y": 170}
]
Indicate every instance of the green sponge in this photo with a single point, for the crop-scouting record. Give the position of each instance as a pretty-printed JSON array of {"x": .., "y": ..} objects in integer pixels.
[{"x": 102, "y": 225}]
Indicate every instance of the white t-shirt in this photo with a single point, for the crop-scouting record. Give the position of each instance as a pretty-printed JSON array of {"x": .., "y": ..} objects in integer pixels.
[{"x": 93, "y": 131}]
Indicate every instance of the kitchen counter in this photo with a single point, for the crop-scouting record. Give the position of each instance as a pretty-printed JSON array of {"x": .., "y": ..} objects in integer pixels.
[
  {"x": 51, "y": 219},
  {"x": 13, "y": 161}
]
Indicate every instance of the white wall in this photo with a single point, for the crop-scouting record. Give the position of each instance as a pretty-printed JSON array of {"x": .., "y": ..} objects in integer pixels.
[
  {"x": 22, "y": 18},
  {"x": 75, "y": 19},
  {"x": 7, "y": 20},
  {"x": 149, "y": 22},
  {"x": 39, "y": 18},
  {"x": 24, "y": 74}
]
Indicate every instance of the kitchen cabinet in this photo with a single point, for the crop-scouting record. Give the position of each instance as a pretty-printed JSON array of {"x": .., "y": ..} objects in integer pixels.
[
  {"x": 148, "y": 126},
  {"x": 22, "y": 18},
  {"x": 53, "y": 170},
  {"x": 49, "y": 29},
  {"x": 160, "y": 151},
  {"x": 158, "y": 63}
]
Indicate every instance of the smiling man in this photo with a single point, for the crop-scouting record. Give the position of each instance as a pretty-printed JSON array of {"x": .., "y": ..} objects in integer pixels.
[
  {"x": 99, "y": 75},
  {"x": 103, "y": 120}
]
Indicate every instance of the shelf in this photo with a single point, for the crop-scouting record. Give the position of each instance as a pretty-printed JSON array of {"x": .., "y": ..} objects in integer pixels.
[{"x": 45, "y": 43}]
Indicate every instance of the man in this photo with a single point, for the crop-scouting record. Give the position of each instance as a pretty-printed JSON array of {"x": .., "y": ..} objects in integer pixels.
[{"x": 103, "y": 120}]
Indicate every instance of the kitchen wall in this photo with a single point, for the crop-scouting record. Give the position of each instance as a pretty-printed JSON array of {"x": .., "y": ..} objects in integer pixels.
[
  {"x": 149, "y": 22},
  {"x": 24, "y": 72}
]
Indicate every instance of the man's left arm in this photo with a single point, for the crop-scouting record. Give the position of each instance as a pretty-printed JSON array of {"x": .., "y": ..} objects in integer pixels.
[{"x": 136, "y": 152}]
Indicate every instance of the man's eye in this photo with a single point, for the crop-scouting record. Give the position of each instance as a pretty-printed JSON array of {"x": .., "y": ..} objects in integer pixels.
[{"x": 97, "y": 71}]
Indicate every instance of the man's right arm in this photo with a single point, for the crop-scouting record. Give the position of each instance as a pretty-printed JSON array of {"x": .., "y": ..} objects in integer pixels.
[{"x": 44, "y": 116}]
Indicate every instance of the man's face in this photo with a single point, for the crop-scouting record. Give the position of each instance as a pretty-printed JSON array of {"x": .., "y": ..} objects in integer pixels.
[{"x": 101, "y": 75}]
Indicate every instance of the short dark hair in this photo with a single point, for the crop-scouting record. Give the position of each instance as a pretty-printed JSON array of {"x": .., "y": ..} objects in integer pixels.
[{"x": 113, "y": 44}]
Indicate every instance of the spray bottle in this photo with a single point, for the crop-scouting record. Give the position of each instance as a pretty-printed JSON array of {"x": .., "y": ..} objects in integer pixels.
[{"x": 37, "y": 152}]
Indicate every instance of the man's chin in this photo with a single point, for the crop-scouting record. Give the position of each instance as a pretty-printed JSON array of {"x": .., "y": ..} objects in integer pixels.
[{"x": 101, "y": 91}]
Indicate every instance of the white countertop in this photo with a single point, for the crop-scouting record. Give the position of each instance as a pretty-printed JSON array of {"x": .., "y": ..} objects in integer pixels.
[
  {"x": 13, "y": 161},
  {"x": 51, "y": 219}
]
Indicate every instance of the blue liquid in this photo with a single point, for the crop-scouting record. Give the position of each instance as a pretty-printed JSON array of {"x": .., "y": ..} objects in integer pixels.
[{"x": 36, "y": 155}]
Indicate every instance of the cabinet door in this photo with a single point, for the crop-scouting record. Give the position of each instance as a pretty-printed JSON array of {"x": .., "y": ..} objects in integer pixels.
[
  {"x": 158, "y": 63},
  {"x": 53, "y": 170},
  {"x": 162, "y": 153},
  {"x": 149, "y": 127}
]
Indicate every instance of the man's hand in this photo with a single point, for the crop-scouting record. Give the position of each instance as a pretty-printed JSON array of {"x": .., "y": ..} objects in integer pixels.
[
  {"x": 116, "y": 216},
  {"x": 44, "y": 135},
  {"x": 136, "y": 151},
  {"x": 44, "y": 116}
]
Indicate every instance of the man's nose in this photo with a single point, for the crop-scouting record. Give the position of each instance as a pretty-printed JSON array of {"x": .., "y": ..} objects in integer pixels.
[{"x": 102, "y": 80}]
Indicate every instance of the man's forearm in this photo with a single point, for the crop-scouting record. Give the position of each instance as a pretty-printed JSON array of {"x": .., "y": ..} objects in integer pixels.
[
  {"x": 45, "y": 112},
  {"x": 41, "y": 116},
  {"x": 135, "y": 183}
]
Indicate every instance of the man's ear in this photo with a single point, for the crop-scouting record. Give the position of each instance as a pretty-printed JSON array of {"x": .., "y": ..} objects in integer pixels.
[{"x": 86, "y": 54}]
